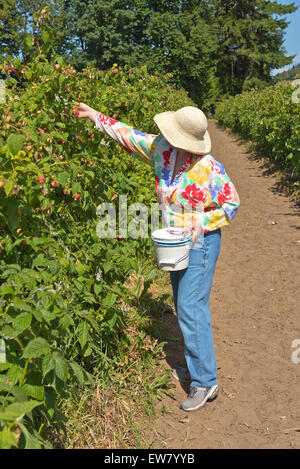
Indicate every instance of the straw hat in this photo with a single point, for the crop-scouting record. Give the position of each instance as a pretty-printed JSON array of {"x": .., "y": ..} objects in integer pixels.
[{"x": 185, "y": 129}]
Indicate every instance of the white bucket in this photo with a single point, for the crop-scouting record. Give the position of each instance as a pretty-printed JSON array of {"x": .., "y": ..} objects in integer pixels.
[{"x": 172, "y": 246}]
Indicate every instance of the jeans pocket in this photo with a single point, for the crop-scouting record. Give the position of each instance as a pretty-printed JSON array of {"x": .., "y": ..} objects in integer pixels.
[{"x": 198, "y": 257}]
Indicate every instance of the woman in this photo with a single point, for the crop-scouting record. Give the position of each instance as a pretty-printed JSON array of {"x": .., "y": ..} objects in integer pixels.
[{"x": 186, "y": 176}]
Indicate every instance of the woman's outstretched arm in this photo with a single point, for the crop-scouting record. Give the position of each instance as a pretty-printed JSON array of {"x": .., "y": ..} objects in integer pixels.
[{"x": 139, "y": 144}]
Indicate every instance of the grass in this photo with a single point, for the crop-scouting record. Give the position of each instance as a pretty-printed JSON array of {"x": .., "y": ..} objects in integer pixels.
[{"x": 119, "y": 409}]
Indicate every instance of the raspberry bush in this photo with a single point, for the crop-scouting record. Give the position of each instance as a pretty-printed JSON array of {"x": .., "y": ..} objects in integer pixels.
[{"x": 61, "y": 286}]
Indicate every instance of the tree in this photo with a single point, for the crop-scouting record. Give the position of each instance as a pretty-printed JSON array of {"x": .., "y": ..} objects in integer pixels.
[
  {"x": 169, "y": 36},
  {"x": 99, "y": 32},
  {"x": 211, "y": 48},
  {"x": 17, "y": 23},
  {"x": 11, "y": 22},
  {"x": 180, "y": 42},
  {"x": 250, "y": 41}
]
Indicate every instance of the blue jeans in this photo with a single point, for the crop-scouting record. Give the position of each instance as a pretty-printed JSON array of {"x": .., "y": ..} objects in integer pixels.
[{"x": 191, "y": 291}]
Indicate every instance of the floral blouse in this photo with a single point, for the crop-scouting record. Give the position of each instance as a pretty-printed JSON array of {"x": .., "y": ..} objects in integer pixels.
[{"x": 200, "y": 192}]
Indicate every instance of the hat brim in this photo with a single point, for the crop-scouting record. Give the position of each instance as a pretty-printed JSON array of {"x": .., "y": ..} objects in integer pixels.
[{"x": 177, "y": 138}]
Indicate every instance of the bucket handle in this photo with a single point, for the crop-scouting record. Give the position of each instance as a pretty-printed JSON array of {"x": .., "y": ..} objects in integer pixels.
[{"x": 172, "y": 263}]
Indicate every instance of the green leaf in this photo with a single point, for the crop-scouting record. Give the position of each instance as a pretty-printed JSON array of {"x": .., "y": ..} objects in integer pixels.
[
  {"x": 76, "y": 188},
  {"x": 61, "y": 366},
  {"x": 15, "y": 373},
  {"x": 65, "y": 321},
  {"x": 29, "y": 41},
  {"x": 110, "y": 299},
  {"x": 80, "y": 268},
  {"x": 17, "y": 410},
  {"x": 17, "y": 62},
  {"x": 36, "y": 348},
  {"x": 35, "y": 391},
  {"x": 28, "y": 74},
  {"x": 97, "y": 288},
  {"x": 148, "y": 280},
  {"x": 15, "y": 143},
  {"x": 7, "y": 439},
  {"x": 63, "y": 178},
  {"x": 8, "y": 185},
  {"x": 47, "y": 168},
  {"x": 54, "y": 267},
  {"x": 83, "y": 334},
  {"x": 48, "y": 364},
  {"x": 45, "y": 36},
  {"x": 112, "y": 320},
  {"x": 10, "y": 332},
  {"x": 57, "y": 363},
  {"x": 107, "y": 266},
  {"x": 23, "y": 321},
  {"x": 6, "y": 290},
  {"x": 40, "y": 261},
  {"x": 4, "y": 366},
  {"x": 44, "y": 137},
  {"x": 11, "y": 80},
  {"x": 33, "y": 386},
  {"x": 32, "y": 106},
  {"x": 13, "y": 214},
  {"x": 28, "y": 440},
  {"x": 62, "y": 126},
  {"x": 78, "y": 372},
  {"x": 17, "y": 392}
]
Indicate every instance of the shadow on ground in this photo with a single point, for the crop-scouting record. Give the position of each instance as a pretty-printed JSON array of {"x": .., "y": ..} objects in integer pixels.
[{"x": 165, "y": 328}]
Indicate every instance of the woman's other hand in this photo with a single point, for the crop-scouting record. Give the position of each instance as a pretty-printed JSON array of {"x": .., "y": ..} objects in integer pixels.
[
  {"x": 196, "y": 230},
  {"x": 84, "y": 111}
]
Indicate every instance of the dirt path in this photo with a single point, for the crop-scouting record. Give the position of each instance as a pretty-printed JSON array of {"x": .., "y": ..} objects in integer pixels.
[{"x": 255, "y": 315}]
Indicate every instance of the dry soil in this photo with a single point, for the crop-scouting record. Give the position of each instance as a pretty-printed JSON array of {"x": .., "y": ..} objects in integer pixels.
[{"x": 255, "y": 316}]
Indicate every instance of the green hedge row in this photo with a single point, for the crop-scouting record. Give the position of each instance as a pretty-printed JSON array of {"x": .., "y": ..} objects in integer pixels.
[
  {"x": 61, "y": 286},
  {"x": 270, "y": 118}
]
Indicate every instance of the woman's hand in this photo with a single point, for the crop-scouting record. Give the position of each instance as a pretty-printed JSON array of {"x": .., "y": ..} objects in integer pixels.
[
  {"x": 84, "y": 111},
  {"x": 196, "y": 230}
]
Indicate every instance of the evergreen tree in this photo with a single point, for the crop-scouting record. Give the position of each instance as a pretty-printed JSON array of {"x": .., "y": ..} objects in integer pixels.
[
  {"x": 100, "y": 32},
  {"x": 211, "y": 48},
  {"x": 250, "y": 42},
  {"x": 179, "y": 41},
  {"x": 11, "y": 23},
  {"x": 169, "y": 36}
]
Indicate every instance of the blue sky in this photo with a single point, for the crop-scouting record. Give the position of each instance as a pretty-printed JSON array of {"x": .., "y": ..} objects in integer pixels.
[{"x": 292, "y": 34}]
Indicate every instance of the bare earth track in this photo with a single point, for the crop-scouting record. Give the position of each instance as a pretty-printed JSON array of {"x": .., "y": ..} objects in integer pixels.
[{"x": 255, "y": 315}]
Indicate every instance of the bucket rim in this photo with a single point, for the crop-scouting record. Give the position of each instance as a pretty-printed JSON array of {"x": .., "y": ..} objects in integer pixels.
[
  {"x": 164, "y": 235},
  {"x": 166, "y": 244}
]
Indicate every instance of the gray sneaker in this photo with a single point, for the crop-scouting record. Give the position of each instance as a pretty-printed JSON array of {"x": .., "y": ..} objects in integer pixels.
[
  {"x": 198, "y": 397},
  {"x": 182, "y": 374}
]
